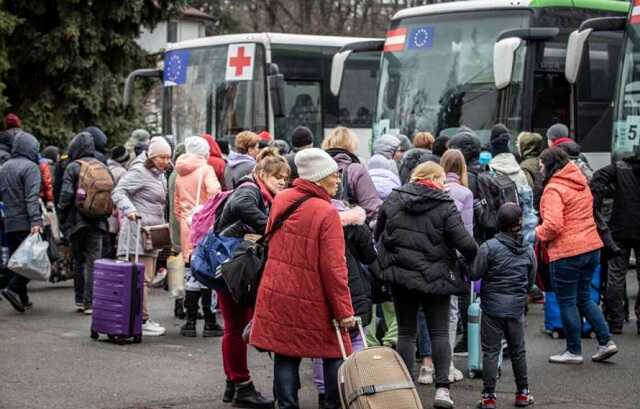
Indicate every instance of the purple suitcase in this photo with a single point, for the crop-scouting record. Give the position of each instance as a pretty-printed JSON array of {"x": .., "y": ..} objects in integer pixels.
[{"x": 117, "y": 298}]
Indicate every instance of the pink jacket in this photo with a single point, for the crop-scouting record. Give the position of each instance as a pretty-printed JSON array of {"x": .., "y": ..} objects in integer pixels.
[{"x": 190, "y": 169}]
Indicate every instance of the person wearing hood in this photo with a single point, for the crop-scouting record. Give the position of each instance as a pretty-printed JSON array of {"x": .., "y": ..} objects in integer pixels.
[
  {"x": 418, "y": 232},
  {"x": 139, "y": 137},
  {"x": 342, "y": 144},
  {"x": 241, "y": 161},
  {"x": 558, "y": 136},
  {"x": 386, "y": 148},
  {"x": 569, "y": 233},
  {"x": 530, "y": 147},
  {"x": 301, "y": 139},
  {"x": 99, "y": 142},
  {"x": 195, "y": 183},
  {"x": 85, "y": 234},
  {"x": 405, "y": 145},
  {"x": 117, "y": 161},
  {"x": 620, "y": 181},
  {"x": 412, "y": 158},
  {"x": 12, "y": 127},
  {"x": 141, "y": 196},
  {"x": 216, "y": 161},
  {"x": 468, "y": 143},
  {"x": 20, "y": 181},
  {"x": 507, "y": 266},
  {"x": 384, "y": 175}
]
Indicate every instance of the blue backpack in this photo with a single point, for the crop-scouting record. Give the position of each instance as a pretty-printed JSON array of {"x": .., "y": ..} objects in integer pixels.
[{"x": 210, "y": 253}]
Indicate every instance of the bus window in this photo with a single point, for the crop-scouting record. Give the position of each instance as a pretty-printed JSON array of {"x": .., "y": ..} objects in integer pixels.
[
  {"x": 358, "y": 93},
  {"x": 303, "y": 108}
]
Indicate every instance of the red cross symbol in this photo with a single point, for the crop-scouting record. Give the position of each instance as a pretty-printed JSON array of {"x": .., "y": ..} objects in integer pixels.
[{"x": 240, "y": 61}]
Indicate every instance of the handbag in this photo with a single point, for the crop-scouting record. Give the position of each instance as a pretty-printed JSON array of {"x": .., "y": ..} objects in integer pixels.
[
  {"x": 242, "y": 273},
  {"x": 458, "y": 276},
  {"x": 156, "y": 237}
]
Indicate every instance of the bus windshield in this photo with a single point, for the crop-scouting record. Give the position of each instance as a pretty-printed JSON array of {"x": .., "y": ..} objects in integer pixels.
[
  {"x": 626, "y": 132},
  {"x": 442, "y": 78},
  {"x": 200, "y": 99}
]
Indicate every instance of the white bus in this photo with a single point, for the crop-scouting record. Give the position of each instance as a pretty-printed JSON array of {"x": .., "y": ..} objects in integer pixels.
[{"x": 262, "y": 81}]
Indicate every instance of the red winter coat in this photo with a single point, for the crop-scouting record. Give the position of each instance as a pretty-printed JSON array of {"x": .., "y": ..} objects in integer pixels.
[
  {"x": 305, "y": 281},
  {"x": 215, "y": 157},
  {"x": 46, "y": 189}
]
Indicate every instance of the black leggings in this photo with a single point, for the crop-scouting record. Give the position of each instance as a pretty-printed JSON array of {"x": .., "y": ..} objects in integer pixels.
[{"x": 436, "y": 311}]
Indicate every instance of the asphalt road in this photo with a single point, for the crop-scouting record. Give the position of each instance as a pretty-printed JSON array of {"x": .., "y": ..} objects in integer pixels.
[{"x": 47, "y": 360}]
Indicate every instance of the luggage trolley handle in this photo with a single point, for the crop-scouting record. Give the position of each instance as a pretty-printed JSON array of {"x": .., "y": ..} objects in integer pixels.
[
  {"x": 343, "y": 350},
  {"x": 128, "y": 240}
]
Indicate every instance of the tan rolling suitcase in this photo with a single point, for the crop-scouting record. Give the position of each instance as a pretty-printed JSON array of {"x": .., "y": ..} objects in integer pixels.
[{"x": 375, "y": 378}]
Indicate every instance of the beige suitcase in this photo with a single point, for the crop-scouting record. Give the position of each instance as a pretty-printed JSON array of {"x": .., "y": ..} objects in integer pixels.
[{"x": 375, "y": 378}]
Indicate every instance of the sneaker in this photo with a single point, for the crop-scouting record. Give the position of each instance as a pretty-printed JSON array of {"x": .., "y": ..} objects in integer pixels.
[
  {"x": 426, "y": 375},
  {"x": 605, "y": 352},
  {"x": 442, "y": 399},
  {"x": 79, "y": 306},
  {"x": 566, "y": 358},
  {"x": 524, "y": 398},
  {"x": 152, "y": 329},
  {"x": 87, "y": 311},
  {"x": 488, "y": 401},
  {"x": 158, "y": 281},
  {"x": 13, "y": 299},
  {"x": 455, "y": 375}
]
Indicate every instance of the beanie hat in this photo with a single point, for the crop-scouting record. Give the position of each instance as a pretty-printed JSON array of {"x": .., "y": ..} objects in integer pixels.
[
  {"x": 120, "y": 154},
  {"x": 510, "y": 218},
  {"x": 158, "y": 146},
  {"x": 405, "y": 142},
  {"x": 301, "y": 136},
  {"x": 557, "y": 131},
  {"x": 140, "y": 135},
  {"x": 265, "y": 136},
  {"x": 51, "y": 152},
  {"x": 499, "y": 140},
  {"x": 99, "y": 138},
  {"x": 12, "y": 121},
  {"x": 197, "y": 146},
  {"x": 314, "y": 164}
]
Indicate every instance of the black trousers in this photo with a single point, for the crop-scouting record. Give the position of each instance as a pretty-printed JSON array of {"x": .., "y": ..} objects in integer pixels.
[
  {"x": 16, "y": 282},
  {"x": 614, "y": 299}
]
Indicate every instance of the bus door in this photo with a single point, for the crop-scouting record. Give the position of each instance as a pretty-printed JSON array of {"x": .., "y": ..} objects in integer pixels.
[{"x": 303, "y": 107}]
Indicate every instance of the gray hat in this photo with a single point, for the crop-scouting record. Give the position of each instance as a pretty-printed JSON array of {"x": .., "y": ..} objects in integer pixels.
[
  {"x": 314, "y": 164},
  {"x": 386, "y": 145},
  {"x": 557, "y": 131}
]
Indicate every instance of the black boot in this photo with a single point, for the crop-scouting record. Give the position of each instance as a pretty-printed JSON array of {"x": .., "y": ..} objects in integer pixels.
[
  {"x": 211, "y": 327},
  {"x": 188, "y": 329},
  {"x": 248, "y": 397},
  {"x": 229, "y": 392},
  {"x": 178, "y": 309}
]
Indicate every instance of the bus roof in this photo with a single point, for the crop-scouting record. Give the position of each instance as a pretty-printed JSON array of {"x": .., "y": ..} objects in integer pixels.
[
  {"x": 273, "y": 38},
  {"x": 478, "y": 5}
]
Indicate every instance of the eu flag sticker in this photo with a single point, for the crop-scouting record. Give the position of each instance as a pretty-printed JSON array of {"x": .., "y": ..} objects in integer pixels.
[
  {"x": 421, "y": 37},
  {"x": 175, "y": 67}
]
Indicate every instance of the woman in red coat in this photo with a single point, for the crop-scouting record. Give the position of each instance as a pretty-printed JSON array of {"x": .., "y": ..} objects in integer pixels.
[{"x": 304, "y": 286}]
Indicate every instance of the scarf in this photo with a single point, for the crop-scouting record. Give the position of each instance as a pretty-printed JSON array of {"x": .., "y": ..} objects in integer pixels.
[
  {"x": 560, "y": 141},
  {"x": 266, "y": 195},
  {"x": 430, "y": 184}
]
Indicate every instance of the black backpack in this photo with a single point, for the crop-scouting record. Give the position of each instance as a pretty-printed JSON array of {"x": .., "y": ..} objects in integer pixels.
[{"x": 494, "y": 190}]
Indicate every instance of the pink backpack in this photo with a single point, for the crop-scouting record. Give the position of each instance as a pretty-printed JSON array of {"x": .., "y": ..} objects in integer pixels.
[{"x": 205, "y": 218}]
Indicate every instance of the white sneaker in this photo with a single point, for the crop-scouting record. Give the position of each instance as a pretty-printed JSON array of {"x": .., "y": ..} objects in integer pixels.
[
  {"x": 566, "y": 358},
  {"x": 87, "y": 311},
  {"x": 605, "y": 352},
  {"x": 455, "y": 375},
  {"x": 426, "y": 375},
  {"x": 152, "y": 329},
  {"x": 442, "y": 399},
  {"x": 157, "y": 281}
]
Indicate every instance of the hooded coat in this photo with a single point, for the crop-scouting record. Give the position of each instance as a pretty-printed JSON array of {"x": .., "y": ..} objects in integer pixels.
[
  {"x": 239, "y": 165},
  {"x": 412, "y": 158},
  {"x": 303, "y": 287},
  {"x": 568, "y": 227},
  {"x": 507, "y": 266},
  {"x": 20, "y": 181},
  {"x": 463, "y": 198},
  {"x": 6, "y": 143},
  {"x": 384, "y": 175},
  {"x": 468, "y": 143},
  {"x": 530, "y": 148},
  {"x": 80, "y": 147},
  {"x": 386, "y": 146},
  {"x": 99, "y": 142},
  {"x": 144, "y": 192},
  {"x": 216, "y": 161},
  {"x": 418, "y": 232},
  {"x": 362, "y": 191},
  {"x": 191, "y": 169}
]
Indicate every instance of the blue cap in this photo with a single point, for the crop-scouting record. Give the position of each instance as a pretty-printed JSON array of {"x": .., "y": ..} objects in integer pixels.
[{"x": 485, "y": 157}]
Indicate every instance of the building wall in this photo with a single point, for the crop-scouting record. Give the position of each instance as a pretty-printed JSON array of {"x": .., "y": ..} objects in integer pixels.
[{"x": 156, "y": 40}]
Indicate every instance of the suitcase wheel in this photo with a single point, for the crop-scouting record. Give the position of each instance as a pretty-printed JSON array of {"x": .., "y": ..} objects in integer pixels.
[
  {"x": 111, "y": 337},
  {"x": 472, "y": 374},
  {"x": 555, "y": 335},
  {"x": 94, "y": 335}
]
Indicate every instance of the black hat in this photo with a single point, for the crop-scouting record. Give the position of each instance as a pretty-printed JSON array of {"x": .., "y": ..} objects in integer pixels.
[
  {"x": 499, "y": 140},
  {"x": 510, "y": 218},
  {"x": 120, "y": 154},
  {"x": 301, "y": 136}
]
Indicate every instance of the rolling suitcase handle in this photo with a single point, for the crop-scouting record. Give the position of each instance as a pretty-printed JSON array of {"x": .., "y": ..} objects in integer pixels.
[
  {"x": 128, "y": 241},
  {"x": 343, "y": 350},
  {"x": 136, "y": 303}
]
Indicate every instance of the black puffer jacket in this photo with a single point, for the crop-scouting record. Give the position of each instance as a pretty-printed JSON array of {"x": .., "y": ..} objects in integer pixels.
[
  {"x": 507, "y": 267},
  {"x": 359, "y": 250},
  {"x": 418, "y": 232},
  {"x": 245, "y": 211}
]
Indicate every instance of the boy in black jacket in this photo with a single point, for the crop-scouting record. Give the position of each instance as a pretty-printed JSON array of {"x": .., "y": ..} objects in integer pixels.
[{"x": 506, "y": 265}]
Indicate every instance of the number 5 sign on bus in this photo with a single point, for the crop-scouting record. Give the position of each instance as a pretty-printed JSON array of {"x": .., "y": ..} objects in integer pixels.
[
  {"x": 628, "y": 134},
  {"x": 240, "y": 62}
]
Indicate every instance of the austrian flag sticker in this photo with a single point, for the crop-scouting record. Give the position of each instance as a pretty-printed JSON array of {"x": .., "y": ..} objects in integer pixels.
[
  {"x": 395, "y": 40},
  {"x": 634, "y": 17}
]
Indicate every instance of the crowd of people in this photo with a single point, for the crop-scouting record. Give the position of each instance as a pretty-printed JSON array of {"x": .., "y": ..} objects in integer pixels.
[{"x": 394, "y": 242}]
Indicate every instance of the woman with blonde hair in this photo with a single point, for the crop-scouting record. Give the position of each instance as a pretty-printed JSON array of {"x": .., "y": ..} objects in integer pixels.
[
  {"x": 342, "y": 145},
  {"x": 418, "y": 232}
]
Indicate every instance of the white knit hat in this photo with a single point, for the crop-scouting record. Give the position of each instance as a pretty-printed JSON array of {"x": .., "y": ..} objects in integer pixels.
[
  {"x": 197, "y": 145},
  {"x": 158, "y": 146},
  {"x": 314, "y": 164}
]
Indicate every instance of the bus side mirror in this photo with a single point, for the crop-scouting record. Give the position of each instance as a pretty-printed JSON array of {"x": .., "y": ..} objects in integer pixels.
[
  {"x": 337, "y": 70},
  {"x": 575, "y": 48},
  {"x": 275, "y": 80},
  {"x": 504, "y": 52},
  {"x": 131, "y": 79}
]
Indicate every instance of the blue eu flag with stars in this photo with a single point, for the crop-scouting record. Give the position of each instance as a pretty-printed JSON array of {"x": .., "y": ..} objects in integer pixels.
[
  {"x": 175, "y": 67},
  {"x": 421, "y": 38}
]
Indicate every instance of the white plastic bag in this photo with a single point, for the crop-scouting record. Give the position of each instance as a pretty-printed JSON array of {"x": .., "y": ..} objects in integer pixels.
[
  {"x": 30, "y": 260},
  {"x": 175, "y": 276}
]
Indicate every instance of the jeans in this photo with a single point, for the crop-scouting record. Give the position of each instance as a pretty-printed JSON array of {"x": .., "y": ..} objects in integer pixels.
[
  {"x": 357, "y": 344},
  {"x": 286, "y": 378},
  {"x": 436, "y": 312},
  {"x": 424, "y": 342},
  {"x": 571, "y": 281},
  {"x": 86, "y": 244},
  {"x": 492, "y": 330},
  {"x": 616, "y": 284},
  {"x": 16, "y": 282}
]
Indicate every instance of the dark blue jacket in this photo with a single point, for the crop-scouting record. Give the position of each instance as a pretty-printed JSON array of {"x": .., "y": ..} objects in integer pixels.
[{"x": 507, "y": 266}]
